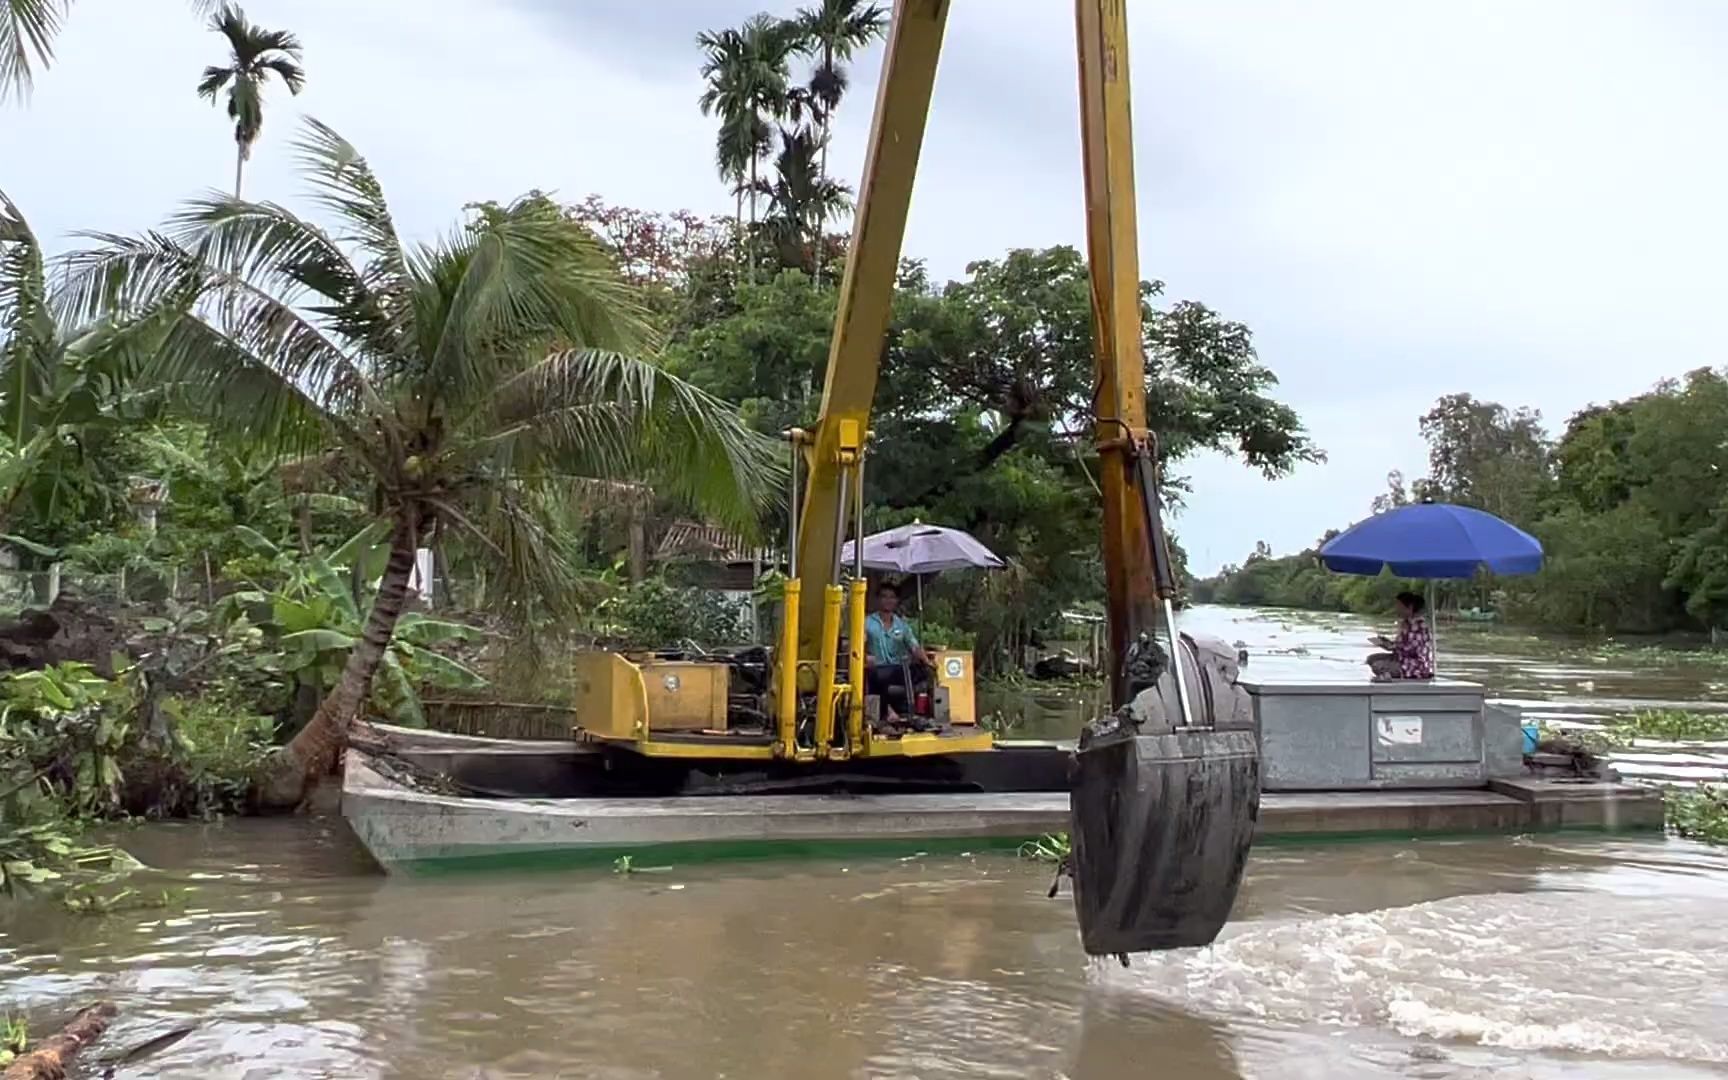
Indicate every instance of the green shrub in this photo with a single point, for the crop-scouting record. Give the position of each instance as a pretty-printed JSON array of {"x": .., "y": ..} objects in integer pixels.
[
  {"x": 62, "y": 731},
  {"x": 218, "y": 745},
  {"x": 1675, "y": 724},
  {"x": 1699, "y": 812},
  {"x": 654, "y": 613}
]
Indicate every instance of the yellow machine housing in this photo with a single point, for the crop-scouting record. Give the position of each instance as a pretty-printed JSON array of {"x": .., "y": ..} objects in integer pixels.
[{"x": 678, "y": 709}]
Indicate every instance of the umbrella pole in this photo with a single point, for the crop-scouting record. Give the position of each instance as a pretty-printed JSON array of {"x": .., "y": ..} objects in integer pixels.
[
  {"x": 1434, "y": 627},
  {"x": 918, "y": 580}
]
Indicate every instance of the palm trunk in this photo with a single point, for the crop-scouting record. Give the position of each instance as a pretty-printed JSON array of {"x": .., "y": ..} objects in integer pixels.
[
  {"x": 239, "y": 165},
  {"x": 311, "y": 754},
  {"x": 816, "y": 237},
  {"x": 752, "y": 218},
  {"x": 738, "y": 224},
  {"x": 822, "y": 169}
]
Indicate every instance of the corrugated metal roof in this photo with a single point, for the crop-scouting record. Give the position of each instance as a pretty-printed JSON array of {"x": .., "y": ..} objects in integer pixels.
[{"x": 698, "y": 542}]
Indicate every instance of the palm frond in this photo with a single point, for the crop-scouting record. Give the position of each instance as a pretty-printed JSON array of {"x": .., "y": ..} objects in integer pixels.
[
  {"x": 246, "y": 360},
  {"x": 608, "y": 416},
  {"x": 268, "y": 41},
  {"x": 215, "y": 78},
  {"x": 293, "y": 76},
  {"x": 29, "y": 338},
  {"x": 125, "y": 276},
  {"x": 343, "y": 183},
  {"x": 291, "y": 258},
  {"x": 247, "y": 40},
  {"x": 522, "y": 281},
  {"x": 120, "y": 275},
  {"x": 212, "y": 374},
  {"x": 27, "y": 29},
  {"x": 109, "y": 356}
]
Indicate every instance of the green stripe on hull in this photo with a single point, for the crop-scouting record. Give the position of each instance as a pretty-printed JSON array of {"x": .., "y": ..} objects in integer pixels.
[{"x": 696, "y": 851}]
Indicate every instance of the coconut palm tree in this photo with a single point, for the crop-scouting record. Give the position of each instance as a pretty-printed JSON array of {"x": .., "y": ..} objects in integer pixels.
[
  {"x": 29, "y": 27},
  {"x": 254, "y": 53},
  {"x": 481, "y": 382},
  {"x": 831, "y": 32}
]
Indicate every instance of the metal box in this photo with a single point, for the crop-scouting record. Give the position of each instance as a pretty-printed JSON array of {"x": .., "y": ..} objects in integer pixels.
[
  {"x": 685, "y": 695},
  {"x": 1342, "y": 736}
]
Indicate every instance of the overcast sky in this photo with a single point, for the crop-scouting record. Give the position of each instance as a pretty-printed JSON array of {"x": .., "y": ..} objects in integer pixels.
[{"x": 1521, "y": 200}]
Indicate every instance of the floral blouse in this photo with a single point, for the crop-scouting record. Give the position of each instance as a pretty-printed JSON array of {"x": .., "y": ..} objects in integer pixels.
[{"x": 1414, "y": 648}]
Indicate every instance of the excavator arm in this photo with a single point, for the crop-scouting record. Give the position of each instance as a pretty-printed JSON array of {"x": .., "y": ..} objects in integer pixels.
[{"x": 1163, "y": 806}]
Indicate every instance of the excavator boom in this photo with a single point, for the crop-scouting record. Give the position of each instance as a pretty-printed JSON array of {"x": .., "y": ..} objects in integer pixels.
[{"x": 866, "y": 298}]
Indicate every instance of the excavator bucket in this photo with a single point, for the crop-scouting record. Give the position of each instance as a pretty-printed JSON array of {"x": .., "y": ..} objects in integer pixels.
[
  {"x": 1160, "y": 831},
  {"x": 1162, "y": 817}
]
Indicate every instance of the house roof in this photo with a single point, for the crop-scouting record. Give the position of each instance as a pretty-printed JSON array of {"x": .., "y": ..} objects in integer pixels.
[{"x": 693, "y": 541}]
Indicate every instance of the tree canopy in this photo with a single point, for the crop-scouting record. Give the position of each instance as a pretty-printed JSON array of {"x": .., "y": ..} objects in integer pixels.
[{"x": 1630, "y": 503}]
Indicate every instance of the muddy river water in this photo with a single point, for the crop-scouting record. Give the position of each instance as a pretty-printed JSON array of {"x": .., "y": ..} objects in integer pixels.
[{"x": 1544, "y": 956}]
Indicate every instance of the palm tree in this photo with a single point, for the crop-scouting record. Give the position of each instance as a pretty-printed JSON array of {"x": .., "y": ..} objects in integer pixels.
[
  {"x": 254, "y": 53},
  {"x": 832, "y": 31},
  {"x": 480, "y": 383},
  {"x": 53, "y": 375},
  {"x": 748, "y": 71},
  {"x": 768, "y": 45},
  {"x": 724, "y": 66},
  {"x": 30, "y": 27},
  {"x": 802, "y": 199}
]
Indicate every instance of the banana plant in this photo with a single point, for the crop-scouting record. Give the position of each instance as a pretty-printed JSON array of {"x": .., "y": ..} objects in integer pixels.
[{"x": 313, "y": 619}]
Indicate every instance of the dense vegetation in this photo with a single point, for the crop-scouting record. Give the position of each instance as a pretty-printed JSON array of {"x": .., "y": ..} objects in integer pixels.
[
  {"x": 1630, "y": 503},
  {"x": 229, "y": 445}
]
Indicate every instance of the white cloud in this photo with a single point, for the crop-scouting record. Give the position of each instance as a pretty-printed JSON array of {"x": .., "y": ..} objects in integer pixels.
[{"x": 1519, "y": 200}]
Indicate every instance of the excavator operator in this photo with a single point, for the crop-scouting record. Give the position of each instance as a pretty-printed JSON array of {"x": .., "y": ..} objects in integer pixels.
[{"x": 898, "y": 664}]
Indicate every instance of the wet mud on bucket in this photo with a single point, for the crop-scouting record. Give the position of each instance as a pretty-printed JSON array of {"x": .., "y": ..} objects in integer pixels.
[{"x": 1160, "y": 827}]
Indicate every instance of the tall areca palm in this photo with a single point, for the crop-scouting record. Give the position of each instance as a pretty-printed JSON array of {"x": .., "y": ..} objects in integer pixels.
[
  {"x": 769, "y": 44},
  {"x": 832, "y": 31},
  {"x": 254, "y": 53},
  {"x": 748, "y": 71},
  {"x": 480, "y": 382},
  {"x": 725, "y": 67}
]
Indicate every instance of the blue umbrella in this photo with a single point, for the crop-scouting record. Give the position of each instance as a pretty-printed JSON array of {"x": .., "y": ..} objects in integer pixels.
[{"x": 1433, "y": 540}]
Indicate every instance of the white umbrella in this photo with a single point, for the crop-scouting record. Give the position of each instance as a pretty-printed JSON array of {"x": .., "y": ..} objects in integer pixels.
[{"x": 922, "y": 549}]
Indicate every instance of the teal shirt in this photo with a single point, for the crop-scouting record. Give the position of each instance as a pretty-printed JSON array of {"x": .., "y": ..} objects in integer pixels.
[{"x": 888, "y": 645}]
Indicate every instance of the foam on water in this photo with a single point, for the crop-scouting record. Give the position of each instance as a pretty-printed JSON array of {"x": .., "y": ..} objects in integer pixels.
[{"x": 1572, "y": 972}]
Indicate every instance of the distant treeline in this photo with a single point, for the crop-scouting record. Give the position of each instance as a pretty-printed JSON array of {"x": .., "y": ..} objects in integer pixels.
[{"x": 1630, "y": 503}]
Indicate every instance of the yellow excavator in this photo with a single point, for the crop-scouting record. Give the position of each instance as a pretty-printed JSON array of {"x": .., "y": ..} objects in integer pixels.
[{"x": 1164, "y": 795}]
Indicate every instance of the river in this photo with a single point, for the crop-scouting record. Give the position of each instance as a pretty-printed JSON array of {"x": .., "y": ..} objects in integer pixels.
[
  {"x": 1547, "y": 956},
  {"x": 1563, "y": 682}
]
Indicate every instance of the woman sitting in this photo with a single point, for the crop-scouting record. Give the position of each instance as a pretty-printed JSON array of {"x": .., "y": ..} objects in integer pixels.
[{"x": 1412, "y": 651}]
